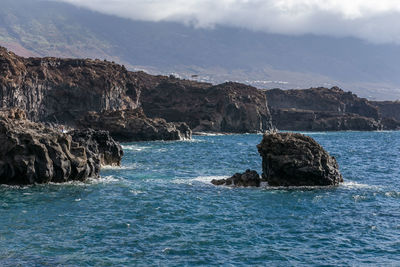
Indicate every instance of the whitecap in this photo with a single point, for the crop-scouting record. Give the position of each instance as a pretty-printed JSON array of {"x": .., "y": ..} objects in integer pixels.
[
  {"x": 355, "y": 185},
  {"x": 134, "y": 147},
  {"x": 200, "y": 179}
]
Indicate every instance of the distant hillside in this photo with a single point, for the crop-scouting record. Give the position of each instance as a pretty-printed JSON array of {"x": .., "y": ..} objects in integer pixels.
[{"x": 44, "y": 28}]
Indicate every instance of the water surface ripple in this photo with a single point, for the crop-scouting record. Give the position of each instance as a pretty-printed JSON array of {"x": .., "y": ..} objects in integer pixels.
[{"x": 159, "y": 208}]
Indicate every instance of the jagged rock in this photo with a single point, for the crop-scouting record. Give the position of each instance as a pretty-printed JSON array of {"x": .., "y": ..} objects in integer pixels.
[
  {"x": 228, "y": 107},
  {"x": 99, "y": 144},
  {"x": 308, "y": 120},
  {"x": 33, "y": 153},
  {"x": 62, "y": 91},
  {"x": 390, "y": 113},
  {"x": 293, "y": 159},
  {"x": 133, "y": 125},
  {"x": 322, "y": 109},
  {"x": 248, "y": 178}
]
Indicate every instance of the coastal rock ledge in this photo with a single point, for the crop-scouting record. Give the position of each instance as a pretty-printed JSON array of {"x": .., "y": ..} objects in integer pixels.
[
  {"x": 32, "y": 153},
  {"x": 293, "y": 159}
]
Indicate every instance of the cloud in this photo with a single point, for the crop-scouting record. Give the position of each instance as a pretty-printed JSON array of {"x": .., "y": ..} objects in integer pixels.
[{"x": 372, "y": 20}]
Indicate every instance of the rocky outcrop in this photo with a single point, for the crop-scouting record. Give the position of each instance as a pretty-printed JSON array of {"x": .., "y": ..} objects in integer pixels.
[
  {"x": 293, "y": 159},
  {"x": 390, "y": 113},
  {"x": 60, "y": 90},
  {"x": 99, "y": 144},
  {"x": 33, "y": 153},
  {"x": 133, "y": 125},
  {"x": 228, "y": 107},
  {"x": 322, "y": 109},
  {"x": 246, "y": 179},
  {"x": 308, "y": 120},
  {"x": 64, "y": 90}
]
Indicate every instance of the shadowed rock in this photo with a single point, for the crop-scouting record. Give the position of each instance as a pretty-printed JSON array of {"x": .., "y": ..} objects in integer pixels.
[
  {"x": 99, "y": 144},
  {"x": 293, "y": 159},
  {"x": 33, "y": 153},
  {"x": 133, "y": 125},
  {"x": 248, "y": 178}
]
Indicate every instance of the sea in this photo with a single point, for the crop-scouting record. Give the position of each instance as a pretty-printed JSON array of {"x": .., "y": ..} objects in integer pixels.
[{"x": 160, "y": 209}]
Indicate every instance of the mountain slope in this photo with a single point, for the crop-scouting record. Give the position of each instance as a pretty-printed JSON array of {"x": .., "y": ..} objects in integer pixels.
[{"x": 46, "y": 28}]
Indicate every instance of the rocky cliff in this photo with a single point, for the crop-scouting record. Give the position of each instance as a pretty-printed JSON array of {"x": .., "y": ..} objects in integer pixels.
[
  {"x": 390, "y": 113},
  {"x": 322, "y": 109},
  {"x": 228, "y": 107},
  {"x": 66, "y": 90}
]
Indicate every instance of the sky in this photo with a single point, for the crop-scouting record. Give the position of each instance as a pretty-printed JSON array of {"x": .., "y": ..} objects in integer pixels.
[{"x": 375, "y": 21}]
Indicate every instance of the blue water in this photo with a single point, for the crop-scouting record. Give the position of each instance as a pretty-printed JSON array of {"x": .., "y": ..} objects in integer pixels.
[{"x": 160, "y": 209}]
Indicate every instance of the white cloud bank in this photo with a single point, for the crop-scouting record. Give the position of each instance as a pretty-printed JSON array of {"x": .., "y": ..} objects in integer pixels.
[{"x": 373, "y": 20}]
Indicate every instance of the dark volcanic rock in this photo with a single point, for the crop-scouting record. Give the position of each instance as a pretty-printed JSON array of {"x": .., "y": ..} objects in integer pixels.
[
  {"x": 228, "y": 107},
  {"x": 64, "y": 90},
  {"x": 390, "y": 113},
  {"x": 248, "y": 178},
  {"x": 322, "y": 109},
  {"x": 293, "y": 159},
  {"x": 33, "y": 153},
  {"x": 60, "y": 90},
  {"x": 99, "y": 144},
  {"x": 133, "y": 125},
  {"x": 308, "y": 120}
]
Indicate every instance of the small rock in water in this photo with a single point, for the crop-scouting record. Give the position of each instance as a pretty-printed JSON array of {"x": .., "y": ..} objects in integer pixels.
[
  {"x": 293, "y": 159},
  {"x": 248, "y": 178}
]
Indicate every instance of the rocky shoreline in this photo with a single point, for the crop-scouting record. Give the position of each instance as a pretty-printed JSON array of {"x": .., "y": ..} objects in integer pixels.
[
  {"x": 32, "y": 153},
  {"x": 104, "y": 103}
]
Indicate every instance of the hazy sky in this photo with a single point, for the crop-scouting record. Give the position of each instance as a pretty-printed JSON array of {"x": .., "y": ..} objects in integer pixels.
[{"x": 372, "y": 20}]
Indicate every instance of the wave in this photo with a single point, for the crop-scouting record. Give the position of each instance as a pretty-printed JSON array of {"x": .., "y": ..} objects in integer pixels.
[
  {"x": 200, "y": 179},
  {"x": 135, "y": 147},
  {"x": 89, "y": 181}
]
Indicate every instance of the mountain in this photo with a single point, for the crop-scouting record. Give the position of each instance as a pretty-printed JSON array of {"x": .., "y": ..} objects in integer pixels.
[{"x": 49, "y": 28}]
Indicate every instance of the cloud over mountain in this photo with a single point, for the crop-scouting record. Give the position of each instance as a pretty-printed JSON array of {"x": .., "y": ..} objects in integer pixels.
[{"x": 366, "y": 19}]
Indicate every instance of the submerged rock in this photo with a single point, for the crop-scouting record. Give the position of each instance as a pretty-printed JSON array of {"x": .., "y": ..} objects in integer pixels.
[
  {"x": 293, "y": 159},
  {"x": 34, "y": 153},
  {"x": 248, "y": 178},
  {"x": 133, "y": 125}
]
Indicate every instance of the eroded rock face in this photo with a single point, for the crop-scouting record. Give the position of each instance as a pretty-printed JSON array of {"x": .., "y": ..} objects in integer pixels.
[
  {"x": 309, "y": 120},
  {"x": 60, "y": 90},
  {"x": 99, "y": 144},
  {"x": 322, "y": 109},
  {"x": 33, "y": 153},
  {"x": 293, "y": 159},
  {"x": 228, "y": 107},
  {"x": 390, "y": 113},
  {"x": 246, "y": 179},
  {"x": 133, "y": 125}
]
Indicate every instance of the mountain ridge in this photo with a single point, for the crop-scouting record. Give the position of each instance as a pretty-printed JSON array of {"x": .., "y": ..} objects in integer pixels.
[{"x": 43, "y": 28}]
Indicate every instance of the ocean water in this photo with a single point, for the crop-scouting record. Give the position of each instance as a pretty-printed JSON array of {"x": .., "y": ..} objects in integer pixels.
[{"x": 159, "y": 209}]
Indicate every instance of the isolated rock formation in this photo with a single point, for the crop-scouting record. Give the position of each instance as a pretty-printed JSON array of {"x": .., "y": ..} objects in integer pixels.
[
  {"x": 322, "y": 109},
  {"x": 293, "y": 159},
  {"x": 228, "y": 107},
  {"x": 133, "y": 125},
  {"x": 33, "y": 153},
  {"x": 248, "y": 178}
]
